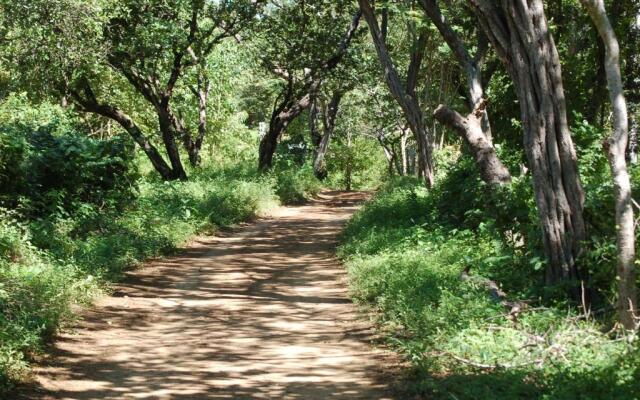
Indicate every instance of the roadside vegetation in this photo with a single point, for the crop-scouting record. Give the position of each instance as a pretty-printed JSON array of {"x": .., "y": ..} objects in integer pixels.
[{"x": 455, "y": 284}]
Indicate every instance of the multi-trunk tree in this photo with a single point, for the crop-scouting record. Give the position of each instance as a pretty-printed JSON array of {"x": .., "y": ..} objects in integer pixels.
[
  {"x": 474, "y": 127},
  {"x": 615, "y": 147},
  {"x": 404, "y": 92},
  {"x": 519, "y": 33}
]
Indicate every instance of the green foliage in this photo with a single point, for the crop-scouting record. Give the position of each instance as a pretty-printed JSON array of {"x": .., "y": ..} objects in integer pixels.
[
  {"x": 405, "y": 251},
  {"x": 355, "y": 162},
  {"x": 48, "y": 264},
  {"x": 36, "y": 293},
  {"x": 79, "y": 206},
  {"x": 296, "y": 185},
  {"x": 54, "y": 166},
  {"x": 80, "y": 215}
]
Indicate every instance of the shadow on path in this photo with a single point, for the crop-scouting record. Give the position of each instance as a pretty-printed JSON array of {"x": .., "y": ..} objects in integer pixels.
[{"x": 262, "y": 313}]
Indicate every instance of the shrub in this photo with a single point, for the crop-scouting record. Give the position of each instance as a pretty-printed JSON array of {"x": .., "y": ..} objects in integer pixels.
[
  {"x": 405, "y": 250},
  {"x": 294, "y": 183},
  {"x": 63, "y": 257},
  {"x": 36, "y": 293}
]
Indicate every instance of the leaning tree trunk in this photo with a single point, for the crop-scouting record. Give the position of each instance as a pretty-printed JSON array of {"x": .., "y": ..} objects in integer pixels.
[
  {"x": 615, "y": 147},
  {"x": 89, "y": 103},
  {"x": 520, "y": 35},
  {"x": 408, "y": 103},
  {"x": 202, "y": 93},
  {"x": 290, "y": 108},
  {"x": 492, "y": 170},
  {"x": 319, "y": 165},
  {"x": 474, "y": 128},
  {"x": 280, "y": 119},
  {"x": 269, "y": 143}
]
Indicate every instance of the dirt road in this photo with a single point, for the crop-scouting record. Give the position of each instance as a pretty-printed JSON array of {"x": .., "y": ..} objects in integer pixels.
[{"x": 260, "y": 313}]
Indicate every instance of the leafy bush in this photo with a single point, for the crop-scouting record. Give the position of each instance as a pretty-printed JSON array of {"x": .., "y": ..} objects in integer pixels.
[
  {"x": 295, "y": 185},
  {"x": 405, "y": 251},
  {"x": 36, "y": 293},
  {"x": 53, "y": 166}
]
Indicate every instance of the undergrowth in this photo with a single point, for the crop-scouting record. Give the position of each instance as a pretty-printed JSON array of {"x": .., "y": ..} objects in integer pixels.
[{"x": 405, "y": 251}]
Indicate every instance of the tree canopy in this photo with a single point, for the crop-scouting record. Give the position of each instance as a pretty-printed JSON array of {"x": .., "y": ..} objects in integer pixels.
[{"x": 499, "y": 140}]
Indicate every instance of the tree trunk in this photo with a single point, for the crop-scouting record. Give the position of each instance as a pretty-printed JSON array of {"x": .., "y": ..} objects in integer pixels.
[
  {"x": 349, "y": 167},
  {"x": 168, "y": 130},
  {"x": 632, "y": 148},
  {"x": 290, "y": 110},
  {"x": 319, "y": 166},
  {"x": 519, "y": 33},
  {"x": 408, "y": 103},
  {"x": 90, "y": 104},
  {"x": 475, "y": 128},
  {"x": 314, "y": 130},
  {"x": 202, "y": 93},
  {"x": 389, "y": 154},
  {"x": 403, "y": 153},
  {"x": 280, "y": 119},
  {"x": 615, "y": 147},
  {"x": 491, "y": 168}
]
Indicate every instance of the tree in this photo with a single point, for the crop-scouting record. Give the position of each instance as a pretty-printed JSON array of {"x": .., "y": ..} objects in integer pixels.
[
  {"x": 328, "y": 112},
  {"x": 519, "y": 33},
  {"x": 149, "y": 44},
  {"x": 405, "y": 94},
  {"x": 475, "y": 127},
  {"x": 311, "y": 51},
  {"x": 615, "y": 146}
]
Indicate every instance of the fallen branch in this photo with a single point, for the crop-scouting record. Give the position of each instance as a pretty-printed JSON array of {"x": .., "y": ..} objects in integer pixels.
[
  {"x": 485, "y": 366},
  {"x": 498, "y": 295}
]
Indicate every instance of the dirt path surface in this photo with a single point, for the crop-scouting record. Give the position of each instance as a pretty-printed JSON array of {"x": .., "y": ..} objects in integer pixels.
[{"x": 262, "y": 313}]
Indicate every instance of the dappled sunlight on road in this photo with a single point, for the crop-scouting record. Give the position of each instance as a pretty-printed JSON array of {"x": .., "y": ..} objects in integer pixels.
[{"x": 258, "y": 313}]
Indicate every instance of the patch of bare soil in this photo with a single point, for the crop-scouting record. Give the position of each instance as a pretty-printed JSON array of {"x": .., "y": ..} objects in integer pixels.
[{"x": 260, "y": 313}]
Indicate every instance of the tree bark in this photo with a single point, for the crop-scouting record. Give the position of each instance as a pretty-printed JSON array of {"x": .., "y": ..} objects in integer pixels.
[
  {"x": 491, "y": 168},
  {"x": 391, "y": 155},
  {"x": 90, "y": 104},
  {"x": 314, "y": 112},
  {"x": 519, "y": 33},
  {"x": 632, "y": 148},
  {"x": 193, "y": 147},
  {"x": 280, "y": 119},
  {"x": 408, "y": 102},
  {"x": 475, "y": 128},
  {"x": 403, "y": 153},
  {"x": 615, "y": 147},
  {"x": 170, "y": 128},
  {"x": 319, "y": 165}
]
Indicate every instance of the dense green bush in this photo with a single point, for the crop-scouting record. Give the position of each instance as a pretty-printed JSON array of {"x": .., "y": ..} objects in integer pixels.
[
  {"x": 296, "y": 184},
  {"x": 50, "y": 165},
  {"x": 405, "y": 251},
  {"x": 36, "y": 293}
]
